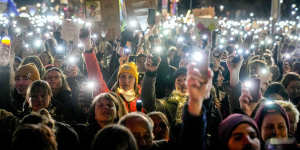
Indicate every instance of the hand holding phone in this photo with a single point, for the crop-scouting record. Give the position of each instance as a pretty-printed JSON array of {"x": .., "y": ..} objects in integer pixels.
[
  {"x": 281, "y": 144},
  {"x": 253, "y": 86}
]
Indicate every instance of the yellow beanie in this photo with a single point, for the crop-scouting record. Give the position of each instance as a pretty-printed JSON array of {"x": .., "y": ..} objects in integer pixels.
[
  {"x": 30, "y": 71},
  {"x": 130, "y": 68}
]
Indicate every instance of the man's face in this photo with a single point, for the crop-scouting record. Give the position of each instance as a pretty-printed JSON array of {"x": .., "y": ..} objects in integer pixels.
[
  {"x": 180, "y": 84},
  {"x": 22, "y": 83},
  {"x": 141, "y": 132},
  {"x": 293, "y": 89},
  {"x": 244, "y": 137}
]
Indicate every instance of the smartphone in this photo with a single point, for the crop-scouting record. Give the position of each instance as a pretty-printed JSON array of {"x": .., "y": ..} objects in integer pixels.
[
  {"x": 139, "y": 105},
  {"x": 132, "y": 58},
  {"x": 253, "y": 85},
  {"x": 84, "y": 33},
  {"x": 201, "y": 61},
  {"x": 281, "y": 144},
  {"x": 151, "y": 16},
  {"x": 155, "y": 58}
]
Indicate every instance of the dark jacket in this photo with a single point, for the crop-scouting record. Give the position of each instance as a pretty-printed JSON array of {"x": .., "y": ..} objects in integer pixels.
[
  {"x": 66, "y": 137},
  {"x": 5, "y": 94},
  {"x": 86, "y": 134},
  {"x": 17, "y": 104},
  {"x": 66, "y": 108}
]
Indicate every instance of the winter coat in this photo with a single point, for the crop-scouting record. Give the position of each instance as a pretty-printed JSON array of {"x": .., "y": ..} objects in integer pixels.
[{"x": 95, "y": 74}]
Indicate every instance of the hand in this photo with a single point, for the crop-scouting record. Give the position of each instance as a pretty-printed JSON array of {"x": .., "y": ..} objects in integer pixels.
[
  {"x": 246, "y": 101},
  {"x": 149, "y": 64},
  {"x": 234, "y": 67},
  {"x": 123, "y": 59},
  {"x": 198, "y": 88}
]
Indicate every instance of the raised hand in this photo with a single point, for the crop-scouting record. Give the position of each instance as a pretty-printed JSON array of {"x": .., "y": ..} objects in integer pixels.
[
  {"x": 247, "y": 103},
  {"x": 199, "y": 87},
  {"x": 149, "y": 64}
]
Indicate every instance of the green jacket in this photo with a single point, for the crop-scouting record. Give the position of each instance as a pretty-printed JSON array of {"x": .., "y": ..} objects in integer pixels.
[{"x": 171, "y": 106}]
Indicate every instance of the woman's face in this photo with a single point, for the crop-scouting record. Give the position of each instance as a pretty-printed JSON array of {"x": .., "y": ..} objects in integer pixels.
[
  {"x": 126, "y": 81},
  {"x": 293, "y": 89},
  {"x": 105, "y": 111},
  {"x": 180, "y": 84},
  {"x": 244, "y": 137},
  {"x": 273, "y": 126},
  {"x": 39, "y": 100},
  {"x": 45, "y": 59},
  {"x": 54, "y": 78}
]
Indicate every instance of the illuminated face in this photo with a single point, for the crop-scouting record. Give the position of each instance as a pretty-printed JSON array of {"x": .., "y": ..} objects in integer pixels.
[
  {"x": 293, "y": 89},
  {"x": 39, "y": 100},
  {"x": 126, "y": 81},
  {"x": 180, "y": 84},
  {"x": 105, "y": 111},
  {"x": 141, "y": 132},
  {"x": 244, "y": 137},
  {"x": 22, "y": 83},
  {"x": 54, "y": 79},
  {"x": 273, "y": 126}
]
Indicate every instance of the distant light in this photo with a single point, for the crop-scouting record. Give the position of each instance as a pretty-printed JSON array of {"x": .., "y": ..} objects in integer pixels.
[
  {"x": 194, "y": 37},
  {"x": 38, "y": 43},
  {"x": 72, "y": 60},
  {"x": 204, "y": 37},
  {"x": 80, "y": 45},
  {"x": 251, "y": 14},
  {"x": 264, "y": 71},
  {"x": 59, "y": 48},
  {"x": 94, "y": 36},
  {"x": 133, "y": 24},
  {"x": 180, "y": 39},
  {"x": 248, "y": 84},
  {"x": 221, "y": 7},
  {"x": 12, "y": 14},
  {"x": 158, "y": 49},
  {"x": 294, "y": 5},
  {"x": 90, "y": 85}
]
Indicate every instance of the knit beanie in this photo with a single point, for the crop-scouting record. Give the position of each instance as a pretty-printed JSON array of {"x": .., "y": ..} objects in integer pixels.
[
  {"x": 227, "y": 126},
  {"x": 130, "y": 68},
  {"x": 270, "y": 107},
  {"x": 28, "y": 70}
]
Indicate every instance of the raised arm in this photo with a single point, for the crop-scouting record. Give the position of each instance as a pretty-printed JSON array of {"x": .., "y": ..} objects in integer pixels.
[
  {"x": 148, "y": 86},
  {"x": 93, "y": 68},
  {"x": 193, "y": 132}
]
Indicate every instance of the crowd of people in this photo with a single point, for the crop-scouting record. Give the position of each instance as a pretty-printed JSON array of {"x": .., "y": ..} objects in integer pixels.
[{"x": 177, "y": 84}]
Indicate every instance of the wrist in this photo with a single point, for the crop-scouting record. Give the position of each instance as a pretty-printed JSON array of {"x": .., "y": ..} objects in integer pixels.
[{"x": 195, "y": 107}]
